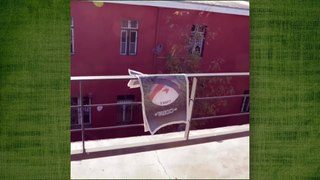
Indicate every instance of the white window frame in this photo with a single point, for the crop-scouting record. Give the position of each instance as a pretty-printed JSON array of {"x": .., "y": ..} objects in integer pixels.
[
  {"x": 79, "y": 113},
  {"x": 135, "y": 43},
  {"x": 129, "y": 25},
  {"x": 124, "y": 112},
  {"x": 72, "y": 36},
  {"x": 123, "y": 120},
  {"x": 194, "y": 42},
  {"x": 245, "y": 107},
  {"x": 126, "y": 43},
  {"x": 129, "y": 29}
]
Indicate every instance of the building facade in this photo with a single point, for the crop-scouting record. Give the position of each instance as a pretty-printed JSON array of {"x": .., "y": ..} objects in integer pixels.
[{"x": 108, "y": 38}]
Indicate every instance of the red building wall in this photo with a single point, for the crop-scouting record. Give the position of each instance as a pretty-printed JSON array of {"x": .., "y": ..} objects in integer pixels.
[{"x": 97, "y": 52}]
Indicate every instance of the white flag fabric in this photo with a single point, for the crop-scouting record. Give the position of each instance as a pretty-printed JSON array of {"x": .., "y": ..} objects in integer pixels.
[
  {"x": 164, "y": 99},
  {"x": 134, "y": 83}
]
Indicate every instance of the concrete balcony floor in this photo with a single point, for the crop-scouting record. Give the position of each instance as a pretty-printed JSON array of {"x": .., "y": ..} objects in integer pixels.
[{"x": 228, "y": 158}]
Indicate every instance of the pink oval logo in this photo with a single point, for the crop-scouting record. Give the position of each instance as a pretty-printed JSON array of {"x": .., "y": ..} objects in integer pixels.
[{"x": 163, "y": 95}]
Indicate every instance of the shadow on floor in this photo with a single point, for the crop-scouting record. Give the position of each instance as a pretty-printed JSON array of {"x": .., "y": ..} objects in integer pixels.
[{"x": 159, "y": 146}]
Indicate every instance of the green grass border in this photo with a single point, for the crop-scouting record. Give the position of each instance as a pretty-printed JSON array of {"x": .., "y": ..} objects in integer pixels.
[
  {"x": 34, "y": 87},
  {"x": 285, "y": 90}
]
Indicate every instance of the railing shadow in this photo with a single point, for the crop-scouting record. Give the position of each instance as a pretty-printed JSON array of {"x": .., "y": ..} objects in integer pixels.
[{"x": 158, "y": 146}]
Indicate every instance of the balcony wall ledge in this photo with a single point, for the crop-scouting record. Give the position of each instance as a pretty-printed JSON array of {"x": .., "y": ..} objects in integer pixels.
[{"x": 228, "y": 158}]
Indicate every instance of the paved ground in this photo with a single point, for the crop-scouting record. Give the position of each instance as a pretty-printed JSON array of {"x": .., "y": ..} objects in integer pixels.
[{"x": 225, "y": 159}]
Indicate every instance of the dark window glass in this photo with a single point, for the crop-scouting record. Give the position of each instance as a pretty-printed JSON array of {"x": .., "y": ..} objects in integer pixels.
[
  {"x": 134, "y": 24},
  {"x": 125, "y": 111},
  {"x": 76, "y": 113},
  {"x": 133, "y": 36}
]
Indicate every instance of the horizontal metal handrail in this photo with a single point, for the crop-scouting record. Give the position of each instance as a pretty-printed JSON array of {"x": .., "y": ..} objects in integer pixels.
[
  {"x": 139, "y": 102},
  {"x": 127, "y": 77},
  {"x": 109, "y": 127},
  {"x": 220, "y": 116},
  {"x": 107, "y": 104},
  {"x": 137, "y": 125},
  {"x": 221, "y": 97}
]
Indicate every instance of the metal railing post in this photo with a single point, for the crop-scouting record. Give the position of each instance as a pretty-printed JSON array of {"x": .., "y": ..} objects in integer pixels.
[
  {"x": 189, "y": 113},
  {"x": 81, "y": 119}
]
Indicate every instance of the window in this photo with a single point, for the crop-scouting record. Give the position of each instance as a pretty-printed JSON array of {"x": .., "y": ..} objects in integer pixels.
[
  {"x": 125, "y": 111},
  {"x": 245, "y": 102},
  {"x": 197, "y": 37},
  {"x": 76, "y": 113},
  {"x": 72, "y": 36},
  {"x": 129, "y": 37}
]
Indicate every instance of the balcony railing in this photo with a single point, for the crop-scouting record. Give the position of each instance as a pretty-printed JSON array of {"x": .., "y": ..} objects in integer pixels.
[{"x": 83, "y": 129}]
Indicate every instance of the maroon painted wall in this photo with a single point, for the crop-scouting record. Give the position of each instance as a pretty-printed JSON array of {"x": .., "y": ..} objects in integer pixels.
[
  {"x": 97, "y": 52},
  {"x": 97, "y": 39}
]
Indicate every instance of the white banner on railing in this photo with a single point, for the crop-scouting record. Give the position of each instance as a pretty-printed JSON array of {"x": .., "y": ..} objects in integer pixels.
[{"x": 164, "y": 99}]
